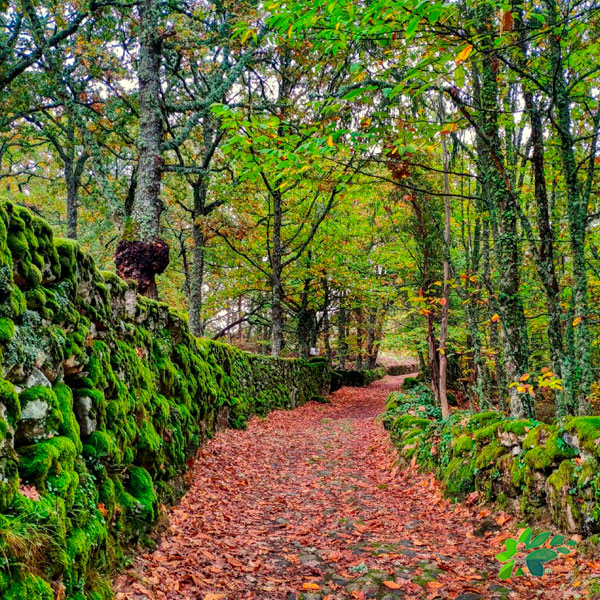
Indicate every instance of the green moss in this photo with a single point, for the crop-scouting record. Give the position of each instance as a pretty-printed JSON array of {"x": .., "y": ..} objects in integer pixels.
[
  {"x": 563, "y": 476},
  {"x": 10, "y": 400},
  {"x": 489, "y": 454},
  {"x": 459, "y": 477},
  {"x": 25, "y": 587},
  {"x": 462, "y": 445},
  {"x": 141, "y": 499},
  {"x": 104, "y": 446},
  {"x": 49, "y": 465},
  {"x": 517, "y": 426},
  {"x": 7, "y": 329},
  {"x": 69, "y": 426},
  {"x": 409, "y": 422},
  {"x": 587, "y": 430}
]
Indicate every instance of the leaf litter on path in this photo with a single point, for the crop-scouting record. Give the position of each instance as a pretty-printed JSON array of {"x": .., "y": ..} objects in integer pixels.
[{"x": 309, "y": 504}]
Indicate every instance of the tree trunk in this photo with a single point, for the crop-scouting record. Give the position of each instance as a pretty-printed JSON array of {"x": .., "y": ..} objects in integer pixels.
[
  {"x": 304, "y": 323},
  {"x": 372, "y": 345},
  {"x": 326, "y": 323},
  {"x": 196, "y": 320},
  {"x": 277, "y": 296},
  {"x": 502, "y": 208},
  {"x": 446, "y": 288},
  {"x": 240, "y": 331},
  {"x": 72, "y": 199},
  {"x": 433, "y": 355},
  {"x": 360, "y": 338},
  {"x": 342, "y": 344},
  {"x": 577, "y": 213},
  {"x": 141, "y": 254}
]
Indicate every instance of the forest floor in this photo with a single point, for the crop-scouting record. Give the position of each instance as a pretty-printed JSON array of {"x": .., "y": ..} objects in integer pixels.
[{"x": 307, "y": 504}]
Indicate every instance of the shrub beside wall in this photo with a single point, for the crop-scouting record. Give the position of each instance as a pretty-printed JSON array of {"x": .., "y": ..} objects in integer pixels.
[
  {"x": 104, "y": 397},
  {"x": 533, "y": 468},
  {"x": 362, "y": 378}
]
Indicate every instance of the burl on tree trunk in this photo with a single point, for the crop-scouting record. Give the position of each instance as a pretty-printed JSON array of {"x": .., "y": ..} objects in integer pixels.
[{"x": 142, "y": 262}]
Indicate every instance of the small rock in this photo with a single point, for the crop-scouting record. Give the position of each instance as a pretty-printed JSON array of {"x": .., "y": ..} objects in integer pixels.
[
  {"x": 84, "y": 414},
  {"x": 32, "y": 425},
  {"x": 470, "y": 596},
  {"x": 36, "y": 377}
]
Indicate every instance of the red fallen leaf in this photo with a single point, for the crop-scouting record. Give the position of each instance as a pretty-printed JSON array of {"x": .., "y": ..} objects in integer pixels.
[
  {"x": 503, "y": 518},
  {"x": 392, "y": 585},
  {"x": 209, "y": 555},
  {"x": 211, "y": 596}
]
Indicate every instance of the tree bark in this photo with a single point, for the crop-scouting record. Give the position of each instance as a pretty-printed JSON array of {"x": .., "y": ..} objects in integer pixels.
[
  {"x": 342, "y": 343},
  {"x": 326, "y": 322},
  {"x": 277, "y": 296},
  {"x": 141, "y": 254},
  {"x": 577, "y": 213},
  {"x": 360, "y": 338},
  {"x": 196, "y": 299},
  {"x": 446, "y": 284},
  {"x": 503, "y": 209}
]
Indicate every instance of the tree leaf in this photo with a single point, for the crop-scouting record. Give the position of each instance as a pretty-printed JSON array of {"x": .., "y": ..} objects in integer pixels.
[
  {"x": 464, "y": 54},
  {"x": 392, "y": 585},
  {"x": 543, "y": 554},
  {"x": 535, "y": 567},
  {"x": 538, "y": 540},
  {"x": 507, "y": 570},
  {"x": 525, "y": 537}
]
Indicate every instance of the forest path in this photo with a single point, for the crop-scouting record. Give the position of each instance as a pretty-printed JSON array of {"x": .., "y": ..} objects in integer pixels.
[{"x": 307, "y": 504}]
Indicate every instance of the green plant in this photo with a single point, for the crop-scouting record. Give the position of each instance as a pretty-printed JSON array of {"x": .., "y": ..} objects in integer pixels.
[{"x": 515, "y": 558}]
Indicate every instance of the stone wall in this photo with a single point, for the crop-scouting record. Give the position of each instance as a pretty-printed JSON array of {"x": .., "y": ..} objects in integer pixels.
[
  {"x": 538, "y": 470},
  {"x": 104, "y": 399}
]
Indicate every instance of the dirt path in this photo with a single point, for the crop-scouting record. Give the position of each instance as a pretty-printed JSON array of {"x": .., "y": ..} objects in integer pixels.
[{"x": 307, "y": 504}]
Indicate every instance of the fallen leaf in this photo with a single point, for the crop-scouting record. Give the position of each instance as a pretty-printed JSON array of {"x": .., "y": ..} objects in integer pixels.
[
  {"x": 392, "y": 585},
  {"x": 311, "y": 586}
]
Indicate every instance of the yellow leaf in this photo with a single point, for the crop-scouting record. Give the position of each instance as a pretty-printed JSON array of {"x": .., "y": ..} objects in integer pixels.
[
  {"x": 330, "y": 141},
  {"x": 576, "y": 321},
  {"x": 464, "y": 54},
  {"x": 311, "y": 586},
  {"x": 495, "y": 318},
  {"x": 246, "y": 35}
]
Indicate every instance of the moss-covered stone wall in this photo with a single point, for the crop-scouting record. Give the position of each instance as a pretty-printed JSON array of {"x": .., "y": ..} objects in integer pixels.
[
  {"x": 532, "y": 468},
  {"x": 104, "y": 399}
]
